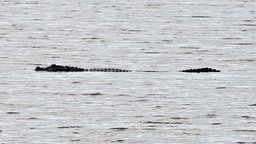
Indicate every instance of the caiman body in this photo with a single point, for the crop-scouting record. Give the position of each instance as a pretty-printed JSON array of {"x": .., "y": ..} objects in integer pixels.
[
  {"x": 60, "y": 68},
  {"x": 198, "y": 70}
]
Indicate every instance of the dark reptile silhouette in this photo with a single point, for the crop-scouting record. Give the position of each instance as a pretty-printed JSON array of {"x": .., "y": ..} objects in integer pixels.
[
  {"x": 60, "y": 68},
  {"x": 198, "y": 70}
]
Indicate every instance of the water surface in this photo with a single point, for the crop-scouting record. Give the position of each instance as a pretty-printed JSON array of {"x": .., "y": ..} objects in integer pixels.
[{"x": 136, "y": 107}]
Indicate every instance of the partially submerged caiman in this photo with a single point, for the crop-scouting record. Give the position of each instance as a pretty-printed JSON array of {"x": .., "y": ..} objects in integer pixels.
[{"x": 60, "y": 68}]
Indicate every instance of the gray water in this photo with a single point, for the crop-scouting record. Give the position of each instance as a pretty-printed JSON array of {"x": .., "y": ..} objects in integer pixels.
[{"x": 137, "y": 107}]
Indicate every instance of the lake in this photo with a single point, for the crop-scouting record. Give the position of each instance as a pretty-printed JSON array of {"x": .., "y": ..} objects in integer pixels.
[{"x": 133, "y": 107}]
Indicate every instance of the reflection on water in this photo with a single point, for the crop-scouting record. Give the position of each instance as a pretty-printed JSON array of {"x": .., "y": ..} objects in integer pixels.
[{"x": 135, "y": 107}]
